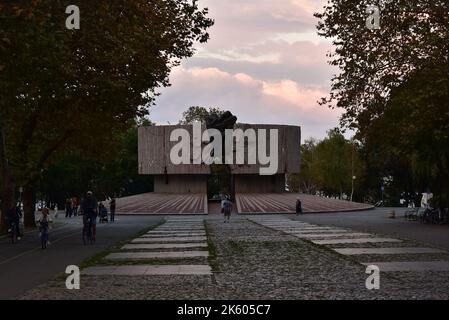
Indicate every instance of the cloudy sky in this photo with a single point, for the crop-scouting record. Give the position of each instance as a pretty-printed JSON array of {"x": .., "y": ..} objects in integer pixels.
[{"x": 264, "y": 62}]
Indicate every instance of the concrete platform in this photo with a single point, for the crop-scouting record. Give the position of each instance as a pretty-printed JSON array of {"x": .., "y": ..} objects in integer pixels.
[
  {"x": 319, "y": 231},
  {"x": 156, "y": 255},
  {"x": 149, "y": 246},
  {"x": 148, "y": 270},
  {"x": 253, "y": 203},
  {"x": 246, "y": 203},
  {"x": 173, "y": 239},
  {"x": 163, "y": 203},
  {"x": 387, "y": 251},
  {"x": 330, "y": 235},
  {"x": 171, "y": 234},
  {"x": 355, "y": 240}
]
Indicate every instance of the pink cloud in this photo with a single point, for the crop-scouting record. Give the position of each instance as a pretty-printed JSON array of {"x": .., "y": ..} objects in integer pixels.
[
  {"x": 252, "y": 100},
  {"x": 264, "y": 63}
]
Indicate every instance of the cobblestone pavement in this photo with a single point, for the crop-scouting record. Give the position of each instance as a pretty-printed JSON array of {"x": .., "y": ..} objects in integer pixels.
[{"x": 253, "y": 261}]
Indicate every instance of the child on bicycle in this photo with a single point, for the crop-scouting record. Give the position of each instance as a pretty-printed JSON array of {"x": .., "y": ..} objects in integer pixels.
[{"x": 44, "y": 226}]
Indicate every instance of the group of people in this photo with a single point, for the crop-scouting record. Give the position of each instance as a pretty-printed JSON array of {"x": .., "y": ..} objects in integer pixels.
[
  {"x": 71, "y": 207},
  {"x": 103, "y": 211},
  {"x": 14, "y": 215},
  {"x": 89, "y": 208}
]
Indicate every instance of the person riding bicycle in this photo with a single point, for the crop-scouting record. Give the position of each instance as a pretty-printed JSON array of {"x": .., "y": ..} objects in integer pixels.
[
  {"x": 13, "y": 216},
  {"x": 89, "y": 208}
]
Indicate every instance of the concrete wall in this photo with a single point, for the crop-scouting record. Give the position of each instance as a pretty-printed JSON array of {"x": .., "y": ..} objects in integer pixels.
[
  {"x": 289, "y": 149},
  {"x": 155, "y": 146},
  {"x": 154, "y": 152},
  {"x": 180, "y": 184},
  {"x": 252, "y": 183}
]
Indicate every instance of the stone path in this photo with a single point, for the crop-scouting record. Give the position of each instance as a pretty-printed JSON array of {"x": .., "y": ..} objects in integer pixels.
[
  {"x": 270, "y": 259},
  {"x": 334, "y": 236},
  {"x": 186, "y": 234}
]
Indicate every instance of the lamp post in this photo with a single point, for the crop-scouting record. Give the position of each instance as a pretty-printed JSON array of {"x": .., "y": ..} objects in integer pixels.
[
  {"x": 352, "y": 170},
  {"x": 382, "y": 190},
  {"x": 352, "y": 187}
]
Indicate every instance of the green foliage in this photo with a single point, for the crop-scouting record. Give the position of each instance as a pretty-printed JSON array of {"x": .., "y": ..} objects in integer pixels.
[
  {"x": 67, "y": 90},
  {"x": 328, "y": 166},
  {"x": 199, "y": 114},
  {"x": 394, "y": 87},
  {"x": 107, "y": 174},
  {"x": 74, "y": 92},
  {"x": 413, "y": 34},
  {"x": 414, "y": 127}
]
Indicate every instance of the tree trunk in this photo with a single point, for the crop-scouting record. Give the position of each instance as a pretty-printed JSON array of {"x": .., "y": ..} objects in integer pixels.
[
  {"x": 6, "y": 182},
  {"x": 29, "y": 206},
  {"x": 7, "y": 198}
]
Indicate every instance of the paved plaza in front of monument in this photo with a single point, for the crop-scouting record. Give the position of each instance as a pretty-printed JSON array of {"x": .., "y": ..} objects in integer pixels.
[{"x": 258, "y": 257}]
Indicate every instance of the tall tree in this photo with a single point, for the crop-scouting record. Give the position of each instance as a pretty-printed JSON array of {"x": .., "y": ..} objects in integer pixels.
[
  {"x": 306, "y": 180},
  {"x": 107, "y": 174},
  {"x": 394, "y": 71},
  {"x": 329, "y": 165},
  {"x": 63, "y": 90}
]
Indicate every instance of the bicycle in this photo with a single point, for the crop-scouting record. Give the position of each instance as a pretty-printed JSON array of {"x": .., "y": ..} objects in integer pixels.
[
  {"x": 433, "y": 216},
  {"x": 13, "y": 232},
  {"x": 88, "y": 232}
]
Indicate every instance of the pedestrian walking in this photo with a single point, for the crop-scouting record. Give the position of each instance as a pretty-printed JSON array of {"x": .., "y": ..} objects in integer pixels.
[
  {"x": 298, "y": 206},
  {"x": 75, "y": 205},
  {"x": 68, "y": 208},
  {"x": 112, "y": 206},
  {"x": 227, "y": 208}
]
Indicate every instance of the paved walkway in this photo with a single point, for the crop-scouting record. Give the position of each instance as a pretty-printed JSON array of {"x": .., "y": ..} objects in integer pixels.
[
  {"x": 24, "y": 265},
  {"x": 172, "y": 236},
  {"x": 343, "y": 240},
  {"x": 377, "y": 221},
  {"x": 260, "y": 257}
]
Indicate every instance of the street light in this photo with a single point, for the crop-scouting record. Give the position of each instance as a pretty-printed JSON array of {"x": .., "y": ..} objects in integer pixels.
[
  {"x": 382, "y": 190},
  {"x": 352, "y": 186},
  {"x": 352, "y": 169}
]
